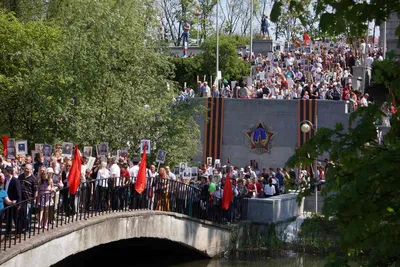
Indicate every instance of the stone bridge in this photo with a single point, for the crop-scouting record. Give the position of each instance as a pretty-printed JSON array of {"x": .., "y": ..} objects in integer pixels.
[{"x": 50, "y": 247}]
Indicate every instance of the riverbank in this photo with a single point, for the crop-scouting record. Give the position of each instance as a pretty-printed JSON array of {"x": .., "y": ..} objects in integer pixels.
[{"x": 309, "y": 235}]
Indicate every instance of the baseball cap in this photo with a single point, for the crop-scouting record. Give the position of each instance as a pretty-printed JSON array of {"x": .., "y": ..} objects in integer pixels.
[{"x": 50, "y": 170}]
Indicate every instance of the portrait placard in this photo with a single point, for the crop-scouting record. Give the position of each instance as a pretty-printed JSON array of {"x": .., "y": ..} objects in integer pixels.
[
  {"x": 47, "y": 149},
  {"x": 87, "y": 151},
  {"x": 102, "y": 149},
  {"x": 233, "y": 84},
  {"x": 67, "y": 149},
  {"x": 290, "y": 83},
  {"x": 148, "y": 146},
  {"x": 90, "y": 162},
  {"x": 270, "y": 56},
  {"x": 187, "y": 174},
  {"x": 209, "y": 161},
  {"x": 11, "y": 153},
  {"x": 161, "y": 155},
  {"x": 39, "y": 148},
  {"x": 182, "y": 167},
  {"x": 217, "y": 163},
  {"x": 22, "y": 147}
]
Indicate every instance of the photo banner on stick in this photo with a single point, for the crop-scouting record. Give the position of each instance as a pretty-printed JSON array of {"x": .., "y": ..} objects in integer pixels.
[
  {"x": 161, "y": 155},
  {"x": 148, "y": 146}
]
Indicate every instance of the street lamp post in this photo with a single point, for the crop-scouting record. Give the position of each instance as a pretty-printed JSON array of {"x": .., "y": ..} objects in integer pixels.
[
  {"x": 197, "y": 13},
  {"x": 217, "y": 32},
  {"x": 365, "y": 55},
  {"x": 384, "y": 40},
  {"x": 306, "y": 127}
]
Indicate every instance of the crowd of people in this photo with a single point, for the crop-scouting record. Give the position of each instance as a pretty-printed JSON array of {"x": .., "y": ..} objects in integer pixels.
[
  {"x": 320, "y": 71},
  {"x": 324, "y": 72},
  {"x": 35, "y": 196}
]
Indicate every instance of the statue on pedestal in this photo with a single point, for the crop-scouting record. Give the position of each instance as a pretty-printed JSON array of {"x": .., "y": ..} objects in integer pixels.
[{"x": 264, "y": 27}]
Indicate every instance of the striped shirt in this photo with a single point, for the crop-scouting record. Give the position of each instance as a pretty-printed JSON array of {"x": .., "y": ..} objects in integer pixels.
[{"x": 29, "y": 186}]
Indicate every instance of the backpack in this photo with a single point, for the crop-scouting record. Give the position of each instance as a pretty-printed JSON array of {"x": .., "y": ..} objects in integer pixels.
[
  {"x": 329, "y": 94},
  {"x": 336, "y": 94}
]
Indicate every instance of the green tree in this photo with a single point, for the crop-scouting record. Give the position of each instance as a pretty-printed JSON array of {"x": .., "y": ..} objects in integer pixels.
[
  {"x": 231, "y": 65},
  {"x": 361, "y": 191},
  {"x": 25, "y": 10},
  {"x": 104, "y": 79},
  {"x": 187, "y": 70},
  {"x": 206, "y": 17},
  {"x": 362, "y": 188},
  {"x": 25, "y": 49},
  {"x": 342, "y": 17},
  {"x": 118, "y": 79},
  {"x": 387, "y": 73},
  {"x": 293, "y": 18},
  {"x": 174, "y": 15}
]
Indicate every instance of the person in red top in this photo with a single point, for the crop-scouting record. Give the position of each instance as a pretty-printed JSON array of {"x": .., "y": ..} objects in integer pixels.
[
  {"x": 258, "y": 186},
  {"x": 126, "y": 181},
  {"x": 254, "y": 188},
  {"x": 346, "y": 92}
]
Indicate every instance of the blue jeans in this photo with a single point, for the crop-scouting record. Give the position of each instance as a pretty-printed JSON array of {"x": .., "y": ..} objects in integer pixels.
[
  {"x": 28, "y": 216},
  {"x": 185, "y": 38}
]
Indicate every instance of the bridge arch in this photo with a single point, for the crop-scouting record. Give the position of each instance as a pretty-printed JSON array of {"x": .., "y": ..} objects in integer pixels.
[
  {"x": 205, "y": 237},
  {"x": 138, "y": 252}
]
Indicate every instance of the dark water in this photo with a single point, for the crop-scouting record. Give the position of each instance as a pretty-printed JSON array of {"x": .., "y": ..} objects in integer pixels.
[
  {"x": 273, "y": 261},
  {"x": 159, "y": 252}
]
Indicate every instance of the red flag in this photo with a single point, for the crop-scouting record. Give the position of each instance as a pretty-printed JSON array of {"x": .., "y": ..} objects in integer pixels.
[
  {"x": 141, "y": 178},
  {"x": 4, "y": 139},
  {"x": 228, "y": 194},
  {"x": 74, "y": 176},
  {"x": 306, "y": 39},
  {"x": 394, "y": 110}
]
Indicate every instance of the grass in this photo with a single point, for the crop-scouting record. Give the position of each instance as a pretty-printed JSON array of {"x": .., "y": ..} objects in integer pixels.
[{"x": 318, "y": 235}]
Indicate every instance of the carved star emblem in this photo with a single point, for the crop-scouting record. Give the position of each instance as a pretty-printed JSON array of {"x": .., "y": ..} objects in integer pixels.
[{"x": 261, "y": 138}]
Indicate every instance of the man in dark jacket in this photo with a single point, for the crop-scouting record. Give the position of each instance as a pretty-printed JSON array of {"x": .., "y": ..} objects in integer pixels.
[{"x": 13, "y": 188}]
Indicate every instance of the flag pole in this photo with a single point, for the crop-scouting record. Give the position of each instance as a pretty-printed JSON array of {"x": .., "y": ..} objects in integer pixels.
[{"x": 251, "y": 38}]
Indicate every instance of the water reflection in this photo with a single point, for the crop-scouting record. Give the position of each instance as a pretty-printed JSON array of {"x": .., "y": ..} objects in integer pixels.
[
  {"x": 276, "y": 261},
  {"x": 159, "y": 252}
]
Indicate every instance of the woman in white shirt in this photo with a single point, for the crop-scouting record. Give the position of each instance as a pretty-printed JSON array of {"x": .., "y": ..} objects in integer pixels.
[{"x": 102, "y": 187}]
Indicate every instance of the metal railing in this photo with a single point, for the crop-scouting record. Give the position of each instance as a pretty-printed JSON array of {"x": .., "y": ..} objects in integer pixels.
[{"x": 55, "y": 209}]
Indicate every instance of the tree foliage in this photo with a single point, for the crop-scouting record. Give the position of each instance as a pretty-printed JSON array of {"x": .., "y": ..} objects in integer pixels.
[
  {"x": 174, "y": 15},
  {"x": 342, "y": 16},
  {"x": 387, "y": 73},
  {"x": 293, "y": 18},
  {"x": 25, "y": 50},
  {"x": 91, "y": 73},
  {"x": 362, "y": 189},
  {"x": 231, "y": 65}
]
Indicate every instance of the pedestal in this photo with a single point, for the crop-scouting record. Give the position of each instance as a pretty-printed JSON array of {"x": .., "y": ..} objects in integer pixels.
[{"x": 262, "y": 46}]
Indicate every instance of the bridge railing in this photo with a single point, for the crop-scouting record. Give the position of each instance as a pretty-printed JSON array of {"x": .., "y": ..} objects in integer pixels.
[{"x": 55, "y": 208}]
